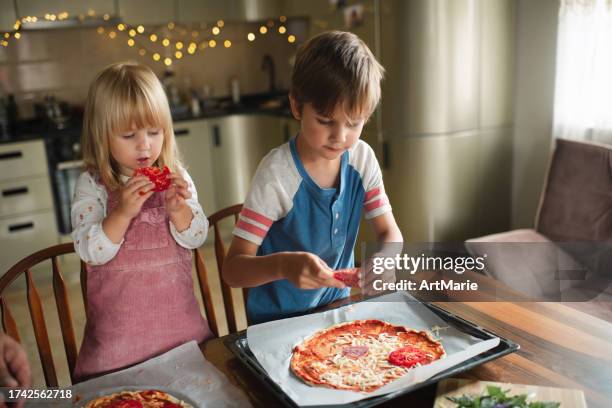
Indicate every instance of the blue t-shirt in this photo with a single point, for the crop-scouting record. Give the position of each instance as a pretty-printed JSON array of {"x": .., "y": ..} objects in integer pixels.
[{"x": 285, "y": 210}]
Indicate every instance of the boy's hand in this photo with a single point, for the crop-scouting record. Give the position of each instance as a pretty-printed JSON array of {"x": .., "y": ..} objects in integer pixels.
[
  {"x": 133, "y": 194},
  {"x": 307, "y": 271},
  {"x": 177, "y": 194}
]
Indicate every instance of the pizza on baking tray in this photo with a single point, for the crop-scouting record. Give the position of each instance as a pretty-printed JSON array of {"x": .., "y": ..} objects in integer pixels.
[
  {"x": 362, "y": 355},
  {"x": 138, "y": 399}
]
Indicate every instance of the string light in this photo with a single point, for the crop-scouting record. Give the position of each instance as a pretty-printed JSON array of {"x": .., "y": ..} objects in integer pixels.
[{"x": 180, "y": 36}]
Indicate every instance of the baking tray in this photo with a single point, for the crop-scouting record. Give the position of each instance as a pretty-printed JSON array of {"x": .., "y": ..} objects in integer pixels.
[{"x": 238, "y": 344}]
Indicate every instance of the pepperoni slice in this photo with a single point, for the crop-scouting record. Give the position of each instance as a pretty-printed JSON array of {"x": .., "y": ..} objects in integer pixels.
[
  {"x": 349, "y": 276},
  {"x": 409, "y": 357},
  {"x": 355, "y": 351},
  {"x": 168, "y": 404},
  {"x": 128, "y": 403},
  {"x": 158, "y": 177}
]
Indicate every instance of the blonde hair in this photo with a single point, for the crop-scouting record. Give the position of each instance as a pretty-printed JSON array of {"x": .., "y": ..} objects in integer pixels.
[
  {"x": 337, "y": 67},
  {"x": 121, "y": 96}
]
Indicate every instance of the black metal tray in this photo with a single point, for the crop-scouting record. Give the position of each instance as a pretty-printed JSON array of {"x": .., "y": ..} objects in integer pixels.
[{"x": 237, "y": 343}]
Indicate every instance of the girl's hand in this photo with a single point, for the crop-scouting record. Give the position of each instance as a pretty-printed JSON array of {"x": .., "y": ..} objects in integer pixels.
[
  {"x": 133, "y": 194},
  {"x": 307, "y": 271},
  {"x": 177, "y": 194}
]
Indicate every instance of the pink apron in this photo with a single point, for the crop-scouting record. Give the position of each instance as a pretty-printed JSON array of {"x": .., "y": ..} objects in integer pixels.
[{"x": 141, "y": 303}]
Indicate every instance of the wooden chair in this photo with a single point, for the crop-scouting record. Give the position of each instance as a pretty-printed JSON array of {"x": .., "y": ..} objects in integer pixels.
[
  {"x": 36, "y": 310},
  {"x": 63, "y": 307},
  {"x": 226, "y": 290}
]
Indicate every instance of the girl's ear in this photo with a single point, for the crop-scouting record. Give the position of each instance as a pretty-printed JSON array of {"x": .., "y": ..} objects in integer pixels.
[{"x": 296, "y": 109}]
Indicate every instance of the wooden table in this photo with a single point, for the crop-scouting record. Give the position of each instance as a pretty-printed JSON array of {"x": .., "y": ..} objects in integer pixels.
[{"x": 560, "y": 347}]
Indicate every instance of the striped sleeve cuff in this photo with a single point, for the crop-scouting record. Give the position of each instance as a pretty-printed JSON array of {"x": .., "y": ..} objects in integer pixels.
[
  {"x": 376, "y": 202},
  {"x": 252, "y": 226}
]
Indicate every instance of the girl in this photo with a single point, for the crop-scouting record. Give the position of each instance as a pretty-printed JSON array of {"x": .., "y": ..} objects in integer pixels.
[{"x": 136, "y": 242}]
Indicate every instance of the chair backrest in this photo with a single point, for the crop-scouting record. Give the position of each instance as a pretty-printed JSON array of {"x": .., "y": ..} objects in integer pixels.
[
  {"x": 220, "y": 251},
  {"x": 576, "y": 200},
  {"x": 36, "y": 309}
]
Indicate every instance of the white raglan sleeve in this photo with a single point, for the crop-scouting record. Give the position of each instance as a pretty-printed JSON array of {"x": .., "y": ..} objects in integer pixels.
[
  {"x": 375, "y": 201},
  {"x": 270, "y": 197}
]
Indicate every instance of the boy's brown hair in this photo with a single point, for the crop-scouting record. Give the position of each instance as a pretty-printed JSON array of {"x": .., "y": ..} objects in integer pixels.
[{"x": 337, "y": 67}]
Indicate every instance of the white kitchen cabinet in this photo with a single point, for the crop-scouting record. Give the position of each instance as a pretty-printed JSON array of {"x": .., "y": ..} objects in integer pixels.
[
  {"x": 196, "y": 11},
  {"x": 229, "y": 10},
  {"x": 239, "y": 144},
  {"x": 19, "y": 160},
  {"x": 72, "y": 7},
  {"x": 8, "y": 17},
  {"x": 152, "y": 12},
  {"x": 27, "y": 218},
  {"x": 23, "y": 195},
  {"x": 194, "y": 142}
]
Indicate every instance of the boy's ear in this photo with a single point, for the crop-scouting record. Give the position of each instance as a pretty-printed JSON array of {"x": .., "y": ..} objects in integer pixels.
[{"x": 296, "y": 110}]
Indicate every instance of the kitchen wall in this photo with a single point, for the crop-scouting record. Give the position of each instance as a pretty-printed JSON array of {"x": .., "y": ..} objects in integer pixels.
[
  {"x": 535, "y": 83},
  {"x": 64, "y": 61}
]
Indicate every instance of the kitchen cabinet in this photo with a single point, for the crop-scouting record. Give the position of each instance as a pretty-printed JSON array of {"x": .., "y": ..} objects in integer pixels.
[
  {"x": 194, "y": 142},
  {"x": 239, "y": 144},
  {"x": 8, "y": 17},
  {"x": 190, "y": 11},
  {"x": 72, "y": 7},
  {"x": 152, "y": 12},
  {"x": 27, "y": 219}
]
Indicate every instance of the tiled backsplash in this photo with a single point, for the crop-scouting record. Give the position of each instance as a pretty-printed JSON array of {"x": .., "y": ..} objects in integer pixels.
[{"x": 63, "y": 62}]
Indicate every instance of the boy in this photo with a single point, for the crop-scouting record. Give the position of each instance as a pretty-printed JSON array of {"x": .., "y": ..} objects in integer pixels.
[{"x": 301, "y": 215}]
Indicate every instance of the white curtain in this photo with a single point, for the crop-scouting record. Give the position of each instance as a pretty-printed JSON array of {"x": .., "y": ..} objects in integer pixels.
[{"x": 583, "y": 88}]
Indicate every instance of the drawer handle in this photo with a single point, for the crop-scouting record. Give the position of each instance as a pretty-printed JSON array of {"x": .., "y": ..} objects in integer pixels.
[
  {"x": 181, "y": 132},
  {"x": 11, "y": 155},
  {"x": 14, "y": 191},
  {"x": 216, "y": 136},
  {"x": 22, "y": 226}
]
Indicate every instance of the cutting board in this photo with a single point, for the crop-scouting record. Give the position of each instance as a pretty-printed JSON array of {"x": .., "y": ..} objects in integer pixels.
[{"x": 453, "y": 387}]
